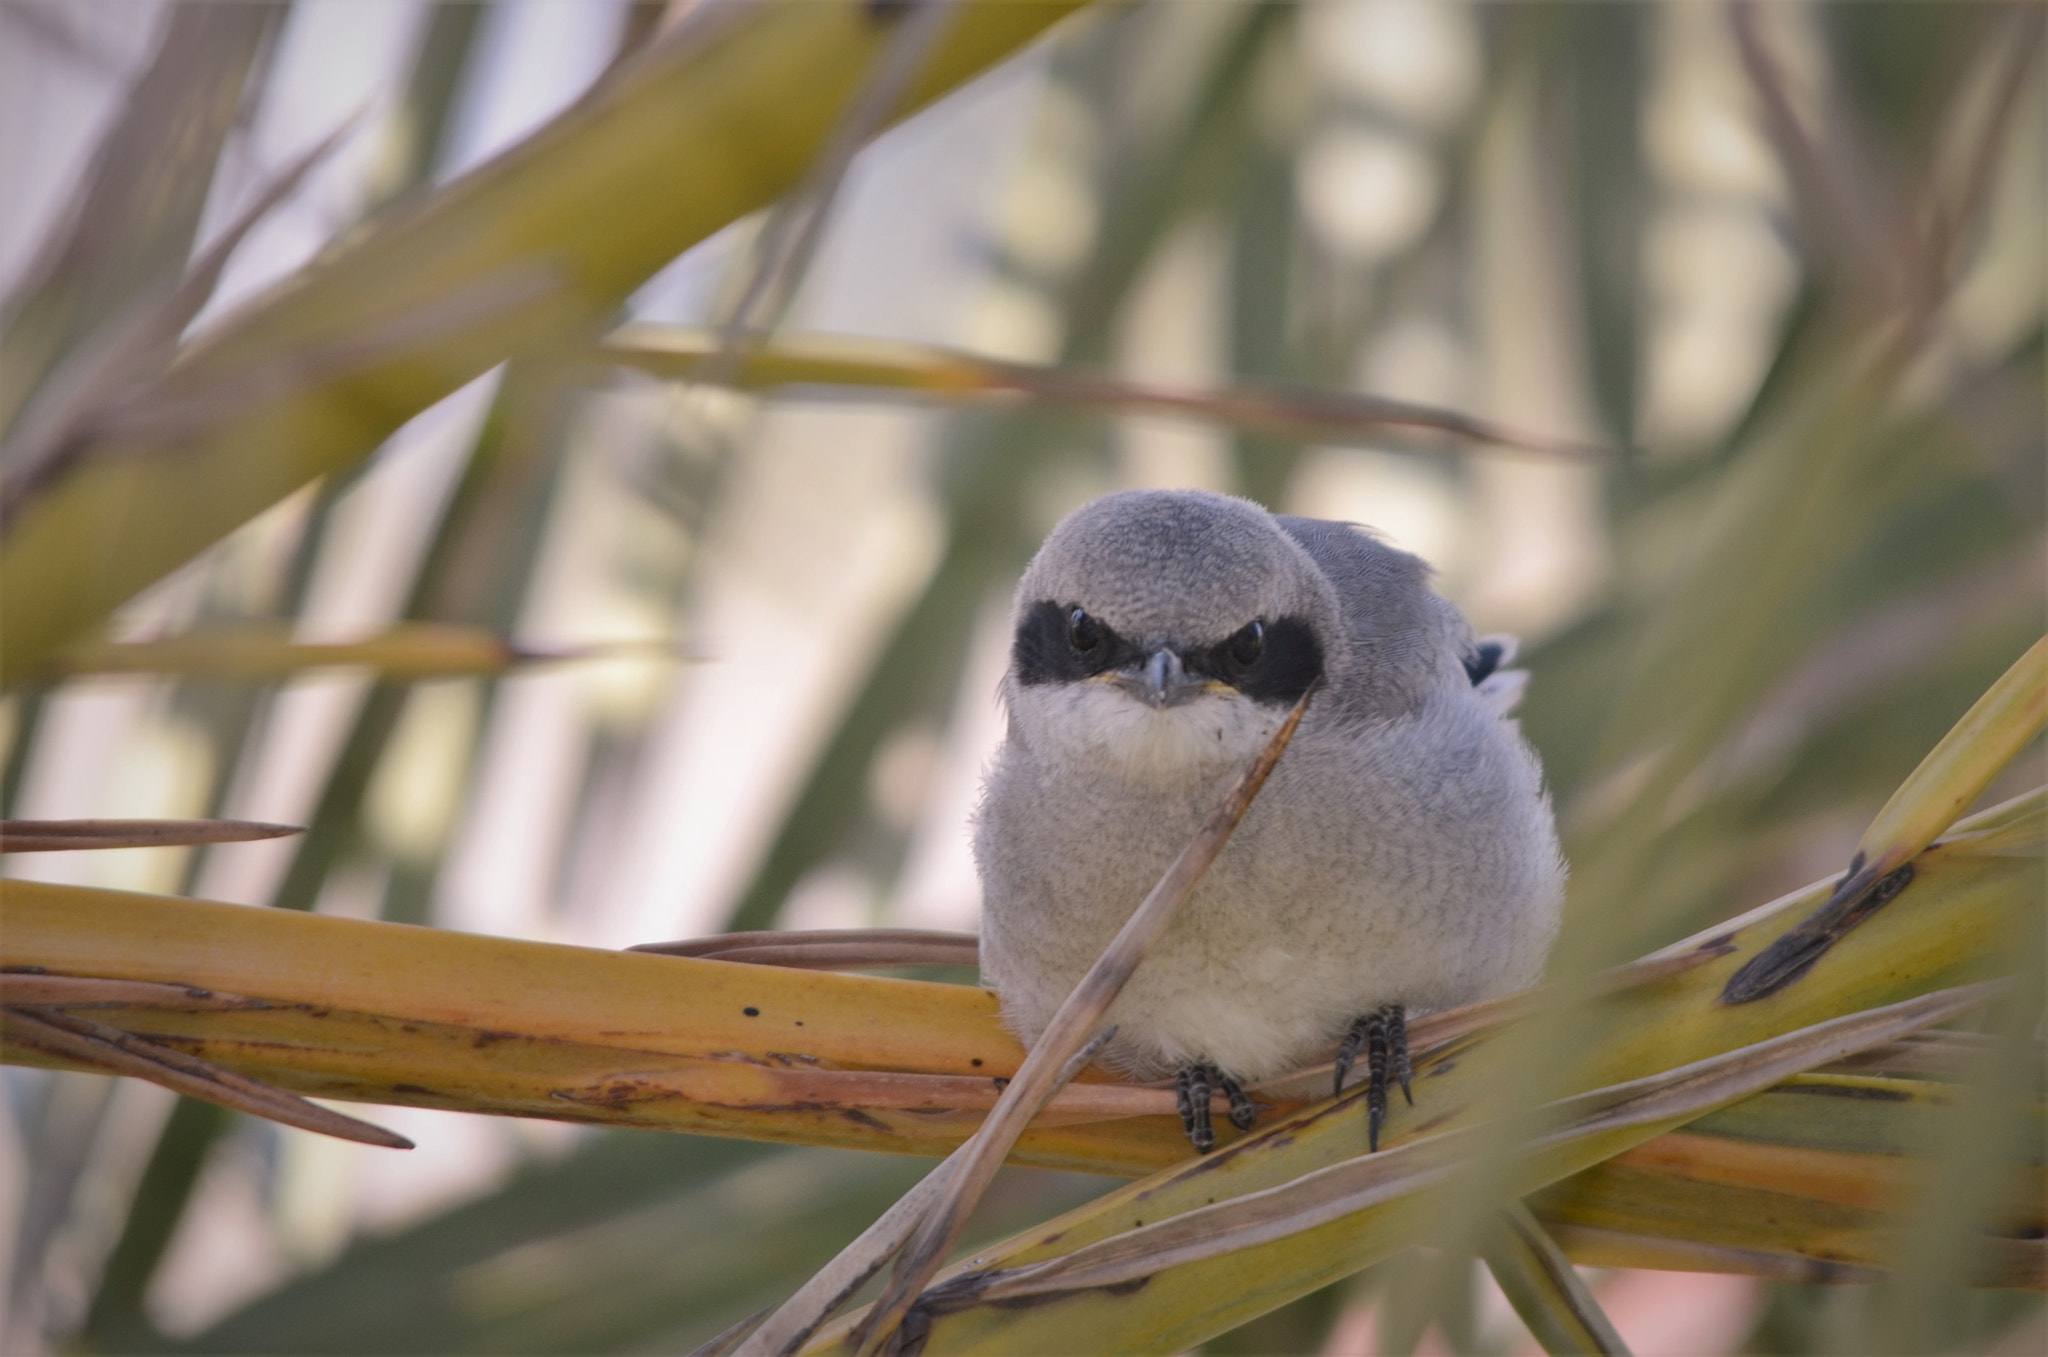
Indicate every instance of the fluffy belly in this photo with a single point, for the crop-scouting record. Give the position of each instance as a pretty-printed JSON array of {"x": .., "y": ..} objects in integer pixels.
[
  {"x": 1256, "y": 1012},
  {"x": 1248, "y": 1036},
  {"x": 1320, "y": 910},
  {"x": 1257, "y": 992}
]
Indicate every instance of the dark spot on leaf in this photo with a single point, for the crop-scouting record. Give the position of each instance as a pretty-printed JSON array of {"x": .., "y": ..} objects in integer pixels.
[
  {"x": 1798, "y": 950},
  {"x": 751, "y": 1012},
  {"x": 1881, "y": 1095},
  {"x": 977, "y": 1062}
]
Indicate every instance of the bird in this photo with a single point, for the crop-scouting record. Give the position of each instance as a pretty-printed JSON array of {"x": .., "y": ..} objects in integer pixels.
[{"x": 1402, "y": 857}]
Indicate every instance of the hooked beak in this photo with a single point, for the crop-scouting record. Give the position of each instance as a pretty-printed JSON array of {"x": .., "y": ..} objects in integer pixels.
[{"x": 1162, "y": 681}]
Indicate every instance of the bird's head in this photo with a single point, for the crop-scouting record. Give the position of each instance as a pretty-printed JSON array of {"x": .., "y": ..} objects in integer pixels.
[{"x": 1160, "y": 633}]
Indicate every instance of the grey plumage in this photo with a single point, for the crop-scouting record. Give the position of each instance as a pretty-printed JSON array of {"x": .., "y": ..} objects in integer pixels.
[{"x": 1402, "y": 852}]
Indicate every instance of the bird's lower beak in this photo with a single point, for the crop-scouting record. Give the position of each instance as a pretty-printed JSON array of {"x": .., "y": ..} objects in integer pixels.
[{"x": 1161, "y": 681}]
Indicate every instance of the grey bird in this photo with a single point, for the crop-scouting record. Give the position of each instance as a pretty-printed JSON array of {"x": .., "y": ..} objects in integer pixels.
[{"x": 1401, "y": 859}]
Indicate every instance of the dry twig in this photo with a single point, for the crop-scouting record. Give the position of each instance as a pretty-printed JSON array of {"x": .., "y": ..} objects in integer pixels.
[
  {"x": 831, "y": 949},
  {"x": 70, "y": 1037},
  {"x": 56, "y": 836},
  {"x": 1063, "y": 1037}
]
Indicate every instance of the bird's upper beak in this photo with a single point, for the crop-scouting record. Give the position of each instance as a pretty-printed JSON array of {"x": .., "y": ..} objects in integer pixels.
[{"x": 1161, "y": 681}]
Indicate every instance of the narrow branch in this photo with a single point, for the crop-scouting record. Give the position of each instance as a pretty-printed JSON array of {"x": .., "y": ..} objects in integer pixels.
[
  {"x": 54, "y": 836},
  {"x": 799, "y": 1317},
  {"x": 830, "y": 949},
  {"x": 1063, "y": 1038},
  {"x": 920, "y": 372}
]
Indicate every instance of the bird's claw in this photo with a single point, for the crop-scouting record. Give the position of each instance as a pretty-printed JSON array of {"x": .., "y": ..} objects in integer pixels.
[
  {"x": 1383, "y": 1034},
  {"x": 1194, "y": 1086}
]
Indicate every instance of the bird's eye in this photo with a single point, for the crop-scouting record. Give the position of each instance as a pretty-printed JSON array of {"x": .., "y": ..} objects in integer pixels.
[
  {"x": 1248, "y": 643},
  {"x": 1083, "y": 631}
]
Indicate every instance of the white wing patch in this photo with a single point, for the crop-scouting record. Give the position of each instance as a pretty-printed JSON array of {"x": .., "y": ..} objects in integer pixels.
[{"x": 1502, "y": 689}]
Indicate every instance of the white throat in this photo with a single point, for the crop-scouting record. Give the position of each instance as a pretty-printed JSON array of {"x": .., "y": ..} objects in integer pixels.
[{"x": 1111, "y": 732}]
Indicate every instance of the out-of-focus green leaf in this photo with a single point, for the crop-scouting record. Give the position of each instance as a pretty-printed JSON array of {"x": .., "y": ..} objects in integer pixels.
[
  {"x": 1953, "y": 775},
  {"x": 1546, "y": 1291},
  {"x": 1654, "y": 1027},
  {"x": 132, "y": 225},
  {"x": 635, "y": 1242},
  {"x": 709, "y": 124},
  {"x": 1956, "y": 772},
  {"x": 1807, "y": 1182},
  {"x": 990, "y": 463},
  {"x": 232, "y": 715}
]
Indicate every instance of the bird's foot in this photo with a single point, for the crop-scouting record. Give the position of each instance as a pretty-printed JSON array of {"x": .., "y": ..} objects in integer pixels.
[
  {"x": 1195, "y": 1085},
  {"x": 1383, "y": 1034}
]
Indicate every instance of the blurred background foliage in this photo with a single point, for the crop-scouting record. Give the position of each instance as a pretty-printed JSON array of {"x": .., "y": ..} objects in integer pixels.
[{"x": 1782, "y": 262}]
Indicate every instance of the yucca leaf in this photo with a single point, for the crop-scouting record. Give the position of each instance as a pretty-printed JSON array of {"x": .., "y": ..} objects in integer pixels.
[
  {"x": 129, "y": 232},
  {"x": 1938, "y": 939},
  {"x": 1810, "y": 1181},
  {"x": 1547, "y": 1293},
  {"x": 260, "y": 651},
  {"x": 1380, "y": 1194},
  {"x": 1274, "y": 409},
  {"x": 385, "y": 1012},
  {"x": 1954, "y": 774},
  {"x": 57, "y": 836},
  {"x": 397, "y": 1014},
  {"x": 707, "y": 125},
  {"x": 389, "y": 1013}
]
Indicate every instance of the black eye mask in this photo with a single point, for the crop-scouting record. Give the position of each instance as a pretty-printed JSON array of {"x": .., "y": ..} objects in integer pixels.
[{"x": 1061, "y": 643}]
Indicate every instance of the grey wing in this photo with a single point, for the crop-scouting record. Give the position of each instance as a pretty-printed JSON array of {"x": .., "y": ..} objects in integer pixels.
[{"x": 1401, "y": 639}]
